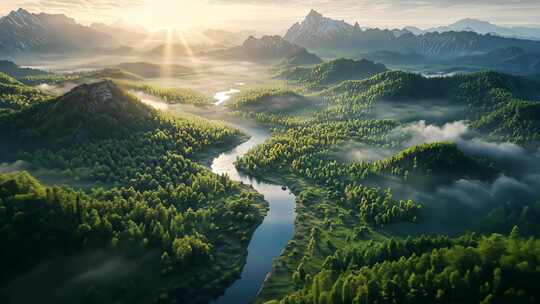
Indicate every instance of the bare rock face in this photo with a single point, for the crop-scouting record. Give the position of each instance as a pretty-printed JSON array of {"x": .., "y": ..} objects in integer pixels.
[
  {"x": 88, "y": 113},
  {"x": 316, "y": 26},
  {"x": 320, "y": 33},
  {"x": 270, "y": 47},
  {"x": 95, "y": 97},
  {"x": 22, "y": 31}
]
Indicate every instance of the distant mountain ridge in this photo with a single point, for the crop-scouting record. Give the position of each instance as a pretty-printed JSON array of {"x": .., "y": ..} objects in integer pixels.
[
  {"x": 512, "y": 58},
  {"x": 302, "y": 58},
  {"x": 320, "y": 33},
  {"x": 24, "y": 31},
  {"x": 484, "y": 27},
  {"x": 264, "y": 48},
  {"x": 120, "y": 32},
  {"x": 12, "y": 69},
  {"x": 333, "y": 72}
]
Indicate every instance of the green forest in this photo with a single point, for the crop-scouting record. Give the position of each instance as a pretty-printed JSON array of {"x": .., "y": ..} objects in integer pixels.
[
  {"x": 150, "y": 195},
  {"x": 345, "y": 204},
  {"x": 406, "y": 188}
]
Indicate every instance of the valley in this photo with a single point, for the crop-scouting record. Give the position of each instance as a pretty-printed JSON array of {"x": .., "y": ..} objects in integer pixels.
[{"x": 337, "y": 164}]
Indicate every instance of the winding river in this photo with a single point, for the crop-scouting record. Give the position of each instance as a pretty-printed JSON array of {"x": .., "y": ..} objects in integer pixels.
[{"x": 271, "y": 237}]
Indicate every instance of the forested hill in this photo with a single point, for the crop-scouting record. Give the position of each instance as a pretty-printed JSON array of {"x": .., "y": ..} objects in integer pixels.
[
  {"x": 435, "y": 160},
  {"x": 8, "y": 80},
  {"x": 302, "y": 58},
  {"x": 333, "y": 72},
  {"x": 491, "y": 269},
  {"x": 151, "y": 205},
  {"x": 89, "y": 112},
  {"x": 369, "y": 162},
  {"x": 15, "y": 96},
  {"x": 404, "y": 85},
  {"x": 16, "y": 71},
  {"x": 503, "y": 107},
  {"x": 175, "y": 236},
  {"x": 275, "y": 100}
]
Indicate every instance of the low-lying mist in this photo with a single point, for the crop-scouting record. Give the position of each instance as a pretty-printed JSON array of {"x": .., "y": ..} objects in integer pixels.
[
  {"x": 57, "y": 89},
  {"x": 154, "y": 102},
  {"x": 359, "y": 152},
  {"x": 48, "y": 177},
  {"x": 16, "y": 166},
  {"x": 464, "y": 203},
  {"x": 454, "y": 206},
  {"x": 420, "y": 132},
  {"x": 408, "y": 135},
  {"x": 79, "y": 278},
  {"x": 210, "y": 76},
  {"x": 431, "y": 111}
]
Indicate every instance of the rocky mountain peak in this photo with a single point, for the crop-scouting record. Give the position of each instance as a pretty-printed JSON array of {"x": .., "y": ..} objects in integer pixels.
[
  {"x": 21, "y": 18},
  {"x": 100, "y": 92},
  {"x": 316, "y": 26},
  {"x": 314, "y": 16},
  {"x": 22, "y": 31},
  {"x": 20, "y": 13}
]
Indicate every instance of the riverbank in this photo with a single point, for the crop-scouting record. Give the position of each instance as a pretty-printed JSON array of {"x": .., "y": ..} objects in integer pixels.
[
  {"x": 276, "y": 230},
  {"x": 270, "y": 238}
]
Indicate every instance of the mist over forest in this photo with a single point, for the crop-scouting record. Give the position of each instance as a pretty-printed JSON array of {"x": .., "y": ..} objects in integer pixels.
[{"x": 335, "y": 162}]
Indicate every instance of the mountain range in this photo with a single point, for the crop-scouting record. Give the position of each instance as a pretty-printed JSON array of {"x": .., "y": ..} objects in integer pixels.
[
  {"x": 122, "y": 33},
  {"x": 257, "y": 49},
  {"x": 22, "y": 31},
  {"x": 328, "y": 36},
  {"x": 484, "y": 27},
  {"x": 510, "y": 59}
]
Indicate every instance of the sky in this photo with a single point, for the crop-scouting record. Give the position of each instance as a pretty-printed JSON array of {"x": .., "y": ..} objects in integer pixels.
[{"x": 275, "y": 16}]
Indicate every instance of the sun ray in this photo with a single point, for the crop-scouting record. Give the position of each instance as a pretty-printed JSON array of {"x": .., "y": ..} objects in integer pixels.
[
  {"x": 167, "y": 54},
  {"x": 149, "y": 41},
  {"x": 205, "y": 38},
  {"x": 191, "y": 56}
]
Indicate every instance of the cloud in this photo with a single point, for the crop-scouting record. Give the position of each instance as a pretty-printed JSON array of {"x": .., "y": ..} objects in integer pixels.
[
  {"x": 14, "y": 167},
  {"x": 81, "y": 4},
  {"x": 276, "y": 16},
  {"x": 72, "y": 8},
  {"x": 479, "y": 195},
  {"x": 357, "y": 151},
  {"x": 420, "y": 132},
  {"x": 412, "y": 12},
  {"x": 507, "y": 156},
  {"x": 390, "y": 3}
]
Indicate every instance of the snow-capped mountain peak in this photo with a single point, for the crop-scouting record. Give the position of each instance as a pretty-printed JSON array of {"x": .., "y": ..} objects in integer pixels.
[
  {"x": 22, "y": 31},
  {"x": 21, "y": 18},
  {"x": 316, "y": 25}
]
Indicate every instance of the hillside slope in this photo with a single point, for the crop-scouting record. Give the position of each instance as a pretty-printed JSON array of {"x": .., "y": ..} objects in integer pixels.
[
  {"x": 88, "y": 112},
  {"x": 333, "y": 72}
]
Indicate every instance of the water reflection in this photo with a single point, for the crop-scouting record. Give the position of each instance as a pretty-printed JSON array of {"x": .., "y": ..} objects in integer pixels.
[
  {"x": 272, "y": 235},
  {"x": 223, "y": 96}
]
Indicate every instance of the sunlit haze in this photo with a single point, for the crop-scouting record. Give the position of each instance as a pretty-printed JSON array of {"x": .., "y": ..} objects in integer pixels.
[
  {"x": 269, "y": 151},
  {"x": 273, "y": 16}
]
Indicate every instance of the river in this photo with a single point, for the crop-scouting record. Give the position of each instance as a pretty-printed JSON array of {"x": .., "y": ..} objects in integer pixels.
[
  {"x": 271, "y": 237},
  {"x": 277, "y": 228}
]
